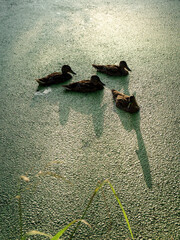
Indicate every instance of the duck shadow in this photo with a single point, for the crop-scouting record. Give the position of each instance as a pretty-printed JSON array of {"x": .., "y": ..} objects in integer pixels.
[
  {"x": 132, "y": 122},
  {"x": 114, "y": 82},
  {"x": 91, "y": 103},
  {"x": 84, "y": 103}
]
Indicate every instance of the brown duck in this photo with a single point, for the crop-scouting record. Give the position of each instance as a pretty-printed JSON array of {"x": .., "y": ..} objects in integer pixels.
[
  {"x": 91, "y": 85},
  {"x": 125, "y": 102},
  {"x": 56, "y": 77},
  {"x": 113, "y": 70}
]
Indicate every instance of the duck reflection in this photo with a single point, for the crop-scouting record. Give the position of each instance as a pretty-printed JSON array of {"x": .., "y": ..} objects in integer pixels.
[{"x": 130, "y": 122}]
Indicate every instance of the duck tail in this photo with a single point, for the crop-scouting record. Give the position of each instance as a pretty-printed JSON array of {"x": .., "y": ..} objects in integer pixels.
[
  {"x": 94, "y": 65},
  {"x": 40, "y": 81},
  {"x": 115, "y": 93},
  {"x": 66, "y": 87},
  {"x": 98, "y": 67}
]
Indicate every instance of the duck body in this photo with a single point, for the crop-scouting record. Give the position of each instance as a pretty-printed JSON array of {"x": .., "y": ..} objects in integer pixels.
[
  {"x": 92, "y": 85},
  {"x": 113, "y": 70},
  {"x": 56, "y": 77},
  {"x": 125, "y": 102}
]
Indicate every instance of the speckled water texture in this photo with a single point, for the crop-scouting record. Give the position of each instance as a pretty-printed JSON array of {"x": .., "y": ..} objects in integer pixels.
[{"x": 83, "y": 137}]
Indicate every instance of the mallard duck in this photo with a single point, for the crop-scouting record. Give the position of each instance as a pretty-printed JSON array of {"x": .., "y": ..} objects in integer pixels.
[
  {"x": 125, "y": 102},
  {"x": 56, "y": 77},
  {"x": 91, "y": 85},
  {"x": 113, "y": 70}
]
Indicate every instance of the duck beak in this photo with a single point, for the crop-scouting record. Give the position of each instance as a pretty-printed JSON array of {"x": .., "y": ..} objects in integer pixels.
[
  {"x": 128, "y": 68},
  {"x": 102, "y": 83},
  {"x": 71, "y": 71}
]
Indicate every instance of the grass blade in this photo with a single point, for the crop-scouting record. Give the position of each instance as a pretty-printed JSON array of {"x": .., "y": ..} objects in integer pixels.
[
  {"x": 124, "y": 213},
  {"x": 84, "y": 213},
  {"x": 18, "y": 197},
  {"x": 91, "y": 199},
  {"x": 60, "y": 233},
  {"x": 34, "y": 232}
]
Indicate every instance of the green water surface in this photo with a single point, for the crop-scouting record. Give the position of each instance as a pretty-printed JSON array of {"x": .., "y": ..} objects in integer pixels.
[{"x": 84, "y": 138}]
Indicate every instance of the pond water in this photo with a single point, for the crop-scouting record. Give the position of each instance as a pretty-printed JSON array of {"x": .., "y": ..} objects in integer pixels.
[{"x": 75, "y": 140}]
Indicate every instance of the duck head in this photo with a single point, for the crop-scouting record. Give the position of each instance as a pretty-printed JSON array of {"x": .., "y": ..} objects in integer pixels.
[
  {"x": 134, "y": 106},
  {"x": 67, "y": 69},
  {"x": 96, "y": 80},
  {"x": 132, "y": 98},
  {"x": 123, "y": 65}
]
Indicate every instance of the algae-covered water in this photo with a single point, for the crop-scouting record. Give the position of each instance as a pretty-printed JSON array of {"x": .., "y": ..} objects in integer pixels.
[{"x": 75, "y": 139}]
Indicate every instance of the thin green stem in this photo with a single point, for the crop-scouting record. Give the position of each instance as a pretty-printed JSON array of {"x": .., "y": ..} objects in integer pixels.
[
  {"x": 20, "y": 217},
  {"x": 84, "y": 213},
  {"x": 108, "y": 211},
  {"x": 20, "y": 211}
]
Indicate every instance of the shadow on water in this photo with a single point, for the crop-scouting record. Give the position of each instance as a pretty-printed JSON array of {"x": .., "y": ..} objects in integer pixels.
[
  {"x": 118, "y": 83},
  {"x": 84, "y": 103},
  {"x": 130, "y": 122},
  {"x": 91, "y": 104}
]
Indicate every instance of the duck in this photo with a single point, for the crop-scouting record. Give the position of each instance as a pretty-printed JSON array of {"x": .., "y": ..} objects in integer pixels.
[
  {"x": 91, "y": 85},
  {"x": 56, "y": 77},
  {"x": 125, "y": 102},
  {"x": 113, "y": 70}
]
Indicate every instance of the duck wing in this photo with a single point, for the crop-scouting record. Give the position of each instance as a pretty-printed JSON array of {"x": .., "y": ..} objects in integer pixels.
[
  {"x": 77, "y": 86},
  {"x": 48, "y": 79},
  {"x": 55, "y": 74},
  {"x": 122, "y": 101},
  {"x": 83, "y": 86},
  {"x": 107, "y": 69},
  {"x": 54, "y": 78}
]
